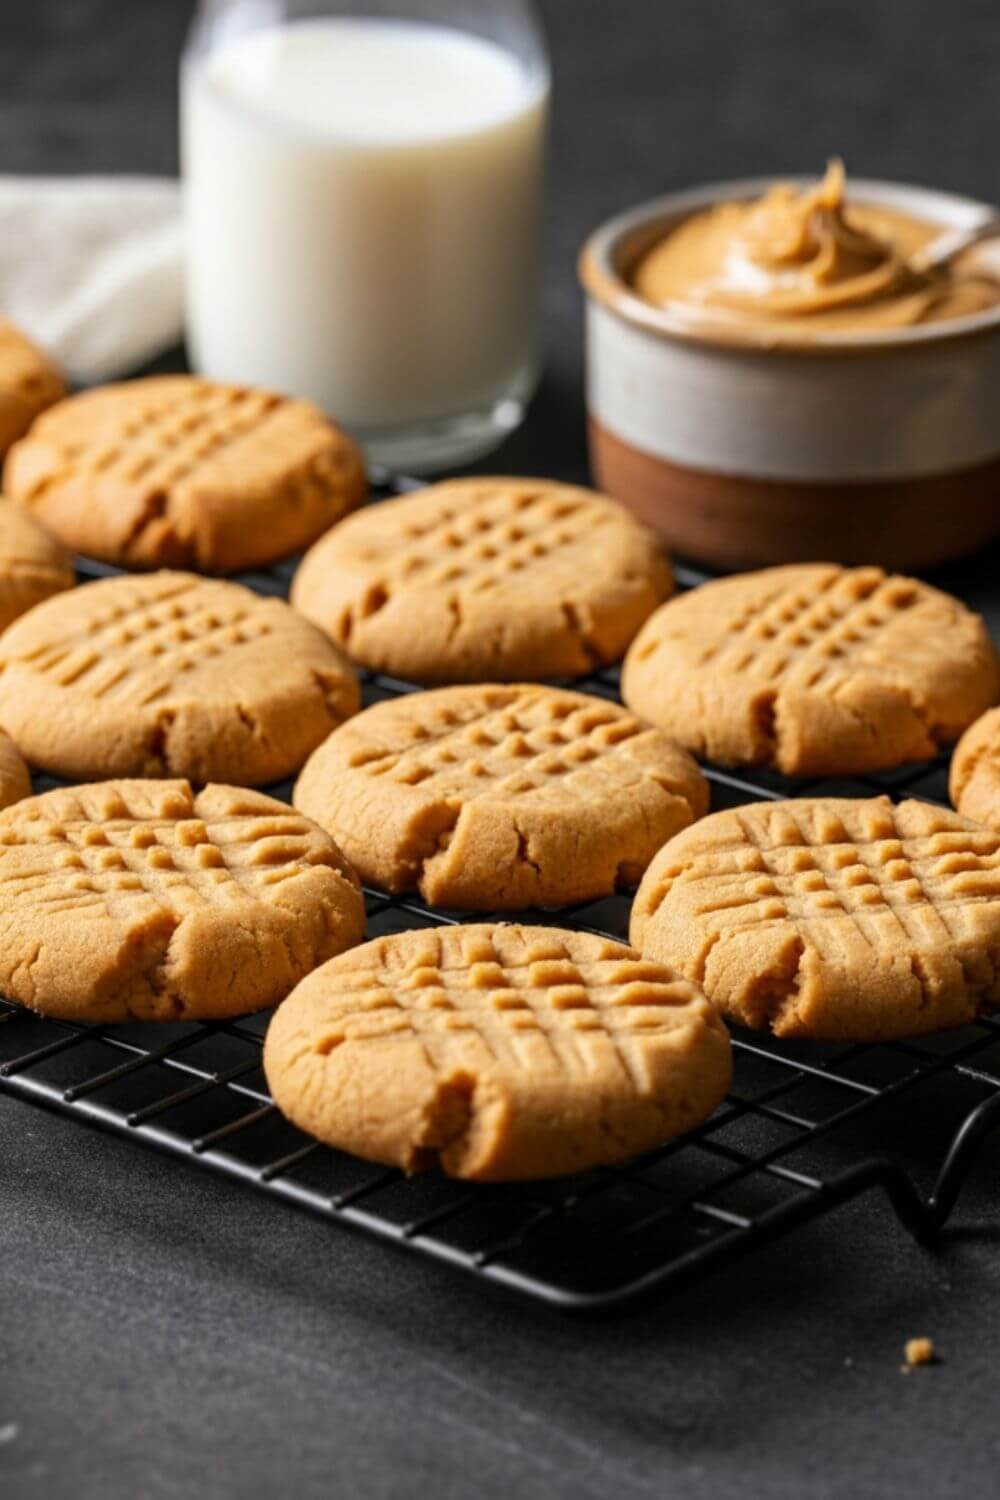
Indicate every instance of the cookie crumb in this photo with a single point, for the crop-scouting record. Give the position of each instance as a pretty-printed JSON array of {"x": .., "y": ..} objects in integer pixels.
[{"x": 918, "y": 1352}]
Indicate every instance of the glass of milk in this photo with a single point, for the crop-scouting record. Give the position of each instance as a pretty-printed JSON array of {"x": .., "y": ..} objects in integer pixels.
[{"x": 362, "y": 191}]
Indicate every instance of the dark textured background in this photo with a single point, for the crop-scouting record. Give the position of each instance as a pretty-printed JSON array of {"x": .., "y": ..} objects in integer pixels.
[{"x": 164, "y": 1333}]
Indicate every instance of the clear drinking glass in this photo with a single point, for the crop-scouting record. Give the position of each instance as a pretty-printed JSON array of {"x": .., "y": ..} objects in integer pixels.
[{"x": 362, "y": 187}]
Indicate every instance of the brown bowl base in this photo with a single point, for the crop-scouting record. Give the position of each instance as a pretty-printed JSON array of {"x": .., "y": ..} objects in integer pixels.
[{"x": 731, "y": 522}]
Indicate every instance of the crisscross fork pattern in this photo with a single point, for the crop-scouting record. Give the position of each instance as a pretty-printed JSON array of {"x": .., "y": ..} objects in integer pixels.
[
  {"x": 509, "y": 742},
  {"x": 789, "y": 868},
  {"x": 491, "y": 535},
  {"x": 165, "y": 438},
  {"x": 816, "y": 630},
  {"x": 141, "y": 645},
  {"x": 181, "y": 863},
  {"x": 543, "y": 1008}
]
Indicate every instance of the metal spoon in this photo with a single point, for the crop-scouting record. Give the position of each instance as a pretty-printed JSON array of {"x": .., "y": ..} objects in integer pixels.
[{"x": 945, "y": 248}]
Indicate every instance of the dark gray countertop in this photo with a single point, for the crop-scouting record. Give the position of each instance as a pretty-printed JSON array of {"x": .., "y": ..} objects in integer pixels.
[{"x": 164, "y": 1332}]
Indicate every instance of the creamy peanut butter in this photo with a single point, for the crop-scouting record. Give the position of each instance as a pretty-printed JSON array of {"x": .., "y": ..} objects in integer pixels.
[{"x": 807, "y": 261}]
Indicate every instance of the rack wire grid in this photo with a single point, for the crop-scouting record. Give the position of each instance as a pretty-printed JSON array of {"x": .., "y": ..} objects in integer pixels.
[{"x": 805, "y": 1126}]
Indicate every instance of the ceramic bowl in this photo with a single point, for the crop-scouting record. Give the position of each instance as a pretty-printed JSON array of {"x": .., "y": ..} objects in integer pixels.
[{"x": 876, "y": 447}]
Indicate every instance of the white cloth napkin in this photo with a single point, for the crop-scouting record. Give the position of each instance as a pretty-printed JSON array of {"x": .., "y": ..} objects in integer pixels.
[{"x": 91, "y": 268}]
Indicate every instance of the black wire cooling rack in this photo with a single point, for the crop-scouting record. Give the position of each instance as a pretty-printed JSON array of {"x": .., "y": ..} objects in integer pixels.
[{"x": 805, "y": 1126}]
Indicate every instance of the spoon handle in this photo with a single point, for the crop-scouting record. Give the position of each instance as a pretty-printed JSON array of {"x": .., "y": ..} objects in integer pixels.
[{"x": 946, "y": 247}]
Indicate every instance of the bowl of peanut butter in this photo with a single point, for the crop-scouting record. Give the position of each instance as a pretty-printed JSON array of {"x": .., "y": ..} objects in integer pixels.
[{"x": 774, "y": 374}]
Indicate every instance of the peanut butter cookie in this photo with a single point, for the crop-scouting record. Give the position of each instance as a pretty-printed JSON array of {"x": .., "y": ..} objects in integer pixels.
[
  {"x": 180, "y": 472},
  {"x": 498, "y": 798},
  {"x": 974, "y": 783},
  {"x": 815, "y": 670},
  {"x": 496, "y": 1052},
  {"x": 480, "y": 580},
  {"x": 839, "y": 919},
  {"x": 15, "y": 782},
  {"x": 139, "y": 900},
  {"x": 33, "y": 566},
  {"x": 170, "y": 674},
  {"x": 29, "y": 382}
]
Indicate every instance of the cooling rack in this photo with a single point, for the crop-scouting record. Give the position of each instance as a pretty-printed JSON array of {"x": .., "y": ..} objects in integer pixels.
[{"x": 804, "y": 1127}]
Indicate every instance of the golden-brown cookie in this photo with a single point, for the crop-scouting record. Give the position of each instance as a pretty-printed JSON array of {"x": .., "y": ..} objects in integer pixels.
[
  {"x": 29, "y": 382},
  {"x": 170, "y": 674},
  {"x": 15, "y": 782},
  {"x": 33, "y": 566},
  {"x": 814, "y": 669},
  {"x": 139, "y": 900},
  {"x": 180, "y": 472},
  {"x": 974, "y": 783},
  {"x": 823, "y": 917},
  {"x": 479, "y": 580},
  {"x": 498, "y": 798},
  {"x": 496, "y": 1052}
]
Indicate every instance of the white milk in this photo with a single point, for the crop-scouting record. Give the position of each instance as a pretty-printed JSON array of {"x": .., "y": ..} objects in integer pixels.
[{"x": 362, "y": 205}]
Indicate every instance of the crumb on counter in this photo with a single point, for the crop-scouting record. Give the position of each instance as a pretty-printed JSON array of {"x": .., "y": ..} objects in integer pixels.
[{"x": 918, "y": 1352}]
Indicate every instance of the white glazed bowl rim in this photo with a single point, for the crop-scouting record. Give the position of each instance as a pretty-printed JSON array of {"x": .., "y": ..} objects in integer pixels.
[{"x": 604, "y": 276}]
